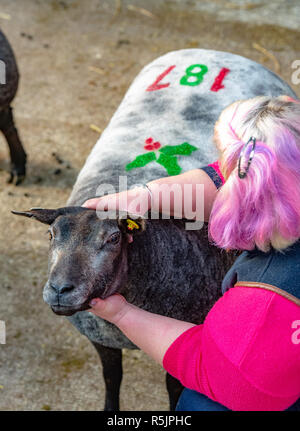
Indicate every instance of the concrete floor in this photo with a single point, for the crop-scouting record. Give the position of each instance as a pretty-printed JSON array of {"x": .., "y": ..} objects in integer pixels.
[{"x": 46, "y": 364}]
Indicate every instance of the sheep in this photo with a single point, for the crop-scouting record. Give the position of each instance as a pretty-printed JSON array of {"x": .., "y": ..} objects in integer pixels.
[
  {"x": 9, "y": 79},
  {"x": 163, "y": 126}
]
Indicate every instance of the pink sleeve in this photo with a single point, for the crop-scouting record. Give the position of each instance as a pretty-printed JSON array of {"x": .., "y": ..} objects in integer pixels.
[
  {"x": 183, "y": 358},
  {"x": 243, "y": 355}
]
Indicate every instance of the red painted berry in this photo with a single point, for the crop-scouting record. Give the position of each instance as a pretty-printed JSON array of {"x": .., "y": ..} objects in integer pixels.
[{"x": 149, "y": 147}]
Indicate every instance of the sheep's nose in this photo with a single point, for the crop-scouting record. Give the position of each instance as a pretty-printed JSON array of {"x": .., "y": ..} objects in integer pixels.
[{"x": 62, "y": 289}]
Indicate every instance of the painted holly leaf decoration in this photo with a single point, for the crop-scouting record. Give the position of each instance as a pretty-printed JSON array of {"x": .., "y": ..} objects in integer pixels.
[
  {"x": 170, "y": 164},
  {"x": 184, "y": 149},
  {"x": 166, "y": 158},
  {"x": 141, "y": 161}
]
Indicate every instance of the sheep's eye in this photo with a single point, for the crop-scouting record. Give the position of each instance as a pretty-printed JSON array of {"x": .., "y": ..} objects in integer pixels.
[
  {"x": 50, "y": 235},
  {"x": 114, "y": 238}
]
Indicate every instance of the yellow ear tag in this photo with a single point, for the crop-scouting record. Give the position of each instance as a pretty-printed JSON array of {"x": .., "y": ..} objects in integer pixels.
[{"x": 132, "y": 224}]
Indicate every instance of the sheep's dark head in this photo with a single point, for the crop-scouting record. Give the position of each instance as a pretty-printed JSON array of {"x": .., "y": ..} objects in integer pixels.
[{"x": 87, "y": 256}]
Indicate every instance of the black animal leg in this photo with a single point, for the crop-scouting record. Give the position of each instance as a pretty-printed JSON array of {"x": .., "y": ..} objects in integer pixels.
[
  {"x": 17, "y": 153},
  {"x": 112, "y": 372},
  {"x": 174, "y": 388}
]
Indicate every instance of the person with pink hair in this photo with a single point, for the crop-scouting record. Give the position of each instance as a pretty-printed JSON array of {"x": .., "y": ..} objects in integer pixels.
[{"x": 246, "y": 354}]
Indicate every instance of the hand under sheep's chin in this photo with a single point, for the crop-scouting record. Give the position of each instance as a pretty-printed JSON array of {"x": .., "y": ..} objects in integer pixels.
[
  {"x": 111, "y": 309},
  {"x": 62, "y": 310}
]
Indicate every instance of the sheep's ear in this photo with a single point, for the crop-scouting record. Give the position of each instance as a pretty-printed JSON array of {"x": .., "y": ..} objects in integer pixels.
[
  {"x": 48, "y": 216},
  {"x": 132, "y": 223}
]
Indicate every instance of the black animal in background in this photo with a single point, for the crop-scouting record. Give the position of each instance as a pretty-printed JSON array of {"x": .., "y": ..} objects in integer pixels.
[{"x": 9, "y": 79}]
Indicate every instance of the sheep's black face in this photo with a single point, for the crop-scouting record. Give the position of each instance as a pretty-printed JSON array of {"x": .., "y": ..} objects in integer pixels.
[{"x": 87, "y": 257}]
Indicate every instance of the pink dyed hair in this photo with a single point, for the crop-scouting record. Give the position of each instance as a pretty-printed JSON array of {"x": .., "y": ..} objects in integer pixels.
[{"x": 262, "y": 209}]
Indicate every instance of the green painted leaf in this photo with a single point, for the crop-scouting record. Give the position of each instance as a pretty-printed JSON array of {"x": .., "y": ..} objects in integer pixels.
[
  {"x": 184, "y": 149},
  {"x": 170, "y": 164},
  {"x": 141, "y": 161}
]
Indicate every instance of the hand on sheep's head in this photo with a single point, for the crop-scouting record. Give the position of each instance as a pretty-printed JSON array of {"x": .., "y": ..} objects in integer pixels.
[
  {"x": 135, "y": 201},
  {"x": 112, "y": 308}
]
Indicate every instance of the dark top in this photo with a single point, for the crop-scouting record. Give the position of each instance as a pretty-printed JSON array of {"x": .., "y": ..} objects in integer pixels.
[{"x": 278, "y": 268}]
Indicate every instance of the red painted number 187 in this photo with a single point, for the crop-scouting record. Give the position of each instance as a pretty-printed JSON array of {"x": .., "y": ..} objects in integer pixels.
[{"x": 193, "y": 76}]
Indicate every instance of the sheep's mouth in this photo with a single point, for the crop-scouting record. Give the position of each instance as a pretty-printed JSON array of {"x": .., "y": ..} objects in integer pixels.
[
  {"x": 69, "y": 310},
  {"x": 62, "y": 310}
]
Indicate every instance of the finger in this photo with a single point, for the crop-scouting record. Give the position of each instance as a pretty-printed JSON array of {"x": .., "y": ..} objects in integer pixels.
[
  {"x": 108, "y": 305},
  {"x": 137, "y": 208},
  {"x": 91, "y": 203},
  {"x": 99, "y": 204},
  {"x": 98, "y": 307},
  {"x": 108, "y": 308},
  {"x": 109, "y": 203},
  {"x": 102, "y": 204},
  {"x": 93, "y": 302}
]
